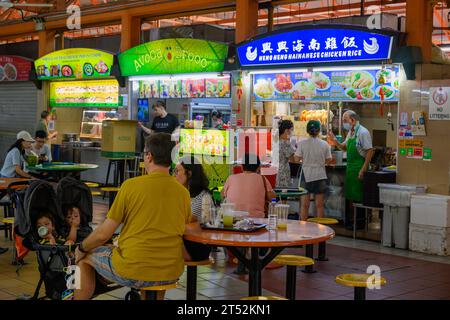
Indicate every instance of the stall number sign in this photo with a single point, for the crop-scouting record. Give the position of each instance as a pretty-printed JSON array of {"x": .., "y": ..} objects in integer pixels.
[
  {"x": 315, "y": 45},
  {"x": 439, "y": 103}
]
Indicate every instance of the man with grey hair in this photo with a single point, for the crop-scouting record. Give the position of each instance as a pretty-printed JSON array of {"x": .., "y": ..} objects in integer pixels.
[{"x": 358, "y": 145}]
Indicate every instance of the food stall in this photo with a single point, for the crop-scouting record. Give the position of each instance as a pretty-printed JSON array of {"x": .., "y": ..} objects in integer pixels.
[
  {"x": 318, "y": 73},
  {"x": 188, "y": 74},
  {"x": 82, "y": 93}
]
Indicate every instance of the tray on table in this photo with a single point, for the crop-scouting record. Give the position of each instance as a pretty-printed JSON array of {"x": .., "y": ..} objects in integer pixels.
[{"x": 256, "y": 227}]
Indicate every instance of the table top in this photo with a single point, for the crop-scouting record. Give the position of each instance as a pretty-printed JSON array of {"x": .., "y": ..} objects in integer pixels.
[
  {"x": 4, "y": 182},
  {"x": 297, "y": 233},
  {"x": 64, "y": 167},
  {"x": 299, "y": 193}
]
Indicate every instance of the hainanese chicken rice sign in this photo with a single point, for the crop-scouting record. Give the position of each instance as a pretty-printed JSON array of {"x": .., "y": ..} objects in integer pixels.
[{"x": 173, "y": 56}]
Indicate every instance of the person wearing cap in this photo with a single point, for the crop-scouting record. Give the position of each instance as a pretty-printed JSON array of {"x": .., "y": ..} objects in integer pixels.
[
  {"x": 163, "y": 121},
  {"x": 358, "y": 145},
  {"x": 286, "y": 153},
  {"x": 43, "y": 125},
  {"x": 14, "y": 164},
  {"x": 315, "y": 154}
]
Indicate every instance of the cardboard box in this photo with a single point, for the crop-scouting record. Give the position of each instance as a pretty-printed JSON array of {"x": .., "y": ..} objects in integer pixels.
[{"x": 119, "y": 139}]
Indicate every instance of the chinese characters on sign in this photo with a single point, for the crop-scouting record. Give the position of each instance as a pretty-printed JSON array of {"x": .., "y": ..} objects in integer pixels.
[{"x": 315, "y": 45}]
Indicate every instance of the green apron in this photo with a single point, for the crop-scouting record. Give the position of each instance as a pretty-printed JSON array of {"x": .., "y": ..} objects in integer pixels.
[{"x": 355, "y": 162}]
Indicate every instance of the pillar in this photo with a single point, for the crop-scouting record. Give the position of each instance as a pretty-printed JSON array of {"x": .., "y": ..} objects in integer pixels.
[
  {"x": 46, "y": 42},
  {"x": 131, "y": 32},
  {"x": 246, "y": 19},
  {"x": 419, "y": 25}
]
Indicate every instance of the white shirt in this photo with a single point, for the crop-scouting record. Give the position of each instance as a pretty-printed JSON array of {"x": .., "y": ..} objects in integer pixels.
[
  {"x": 314, "y": 153},
  {"x": 44, "y": 150},
  {"x": 363, "y": 139}
]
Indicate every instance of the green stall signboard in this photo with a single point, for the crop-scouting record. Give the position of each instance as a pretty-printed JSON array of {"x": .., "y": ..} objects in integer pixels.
[
  {"x": 77, "y": 63},
  {"x": 173, "y": 56}
]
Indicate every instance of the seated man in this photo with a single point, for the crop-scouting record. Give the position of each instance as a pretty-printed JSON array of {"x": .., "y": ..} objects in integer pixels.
[
  {"x": 41, "y": 148},
  {"x": 154, "y": 210}
]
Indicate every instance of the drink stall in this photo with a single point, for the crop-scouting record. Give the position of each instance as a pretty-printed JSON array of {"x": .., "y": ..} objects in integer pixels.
[
  {"x": 318, "y": 73},
  {"x": 82, "y": 93},
  {"x": 188, "y": 74}
]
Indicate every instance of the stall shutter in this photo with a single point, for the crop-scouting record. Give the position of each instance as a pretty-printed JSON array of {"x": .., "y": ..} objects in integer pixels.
[{"x": 18, "y": 105}]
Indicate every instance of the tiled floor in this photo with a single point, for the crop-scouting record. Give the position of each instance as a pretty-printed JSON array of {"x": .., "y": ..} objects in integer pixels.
[{"x": 409, "y": 275}]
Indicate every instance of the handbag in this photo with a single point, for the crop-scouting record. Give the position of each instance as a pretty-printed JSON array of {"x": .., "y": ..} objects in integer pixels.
[{"x": 266, "y": 200}]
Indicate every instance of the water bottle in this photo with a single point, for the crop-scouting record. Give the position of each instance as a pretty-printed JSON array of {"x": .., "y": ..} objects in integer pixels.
[{"x": 272, "y": 215}]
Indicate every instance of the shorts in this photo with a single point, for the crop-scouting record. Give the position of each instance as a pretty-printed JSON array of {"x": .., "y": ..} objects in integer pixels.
[
  {"x": 101, "y": 258},
  {"x": 315, "y": 187}
]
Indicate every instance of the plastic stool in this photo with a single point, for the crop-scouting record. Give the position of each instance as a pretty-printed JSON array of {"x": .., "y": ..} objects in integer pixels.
[
  {"x": 191, "y": 278},
  {"x": 359, "y": 282},
  {"x": 323, "y": 245},
  {"x": 292, "y": 262}
]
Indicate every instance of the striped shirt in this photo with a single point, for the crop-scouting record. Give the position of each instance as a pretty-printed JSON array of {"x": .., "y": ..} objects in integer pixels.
[{"x": 196, "y": 203}]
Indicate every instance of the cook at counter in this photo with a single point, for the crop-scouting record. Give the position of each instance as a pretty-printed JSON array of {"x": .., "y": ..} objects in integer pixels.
[
  {"x": 358, "y": 145},
  {"x": 43, "y": 125},
  {"x": 163, "y": 121}
]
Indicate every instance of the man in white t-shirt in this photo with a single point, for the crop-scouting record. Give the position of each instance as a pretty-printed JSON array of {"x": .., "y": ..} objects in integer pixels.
[
  {"x": 41, "y": 148},
  {"x": 314, "y": 154}
]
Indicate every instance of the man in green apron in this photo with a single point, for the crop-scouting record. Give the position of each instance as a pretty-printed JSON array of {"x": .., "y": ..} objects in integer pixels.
[{"x": 358, "y": 145}]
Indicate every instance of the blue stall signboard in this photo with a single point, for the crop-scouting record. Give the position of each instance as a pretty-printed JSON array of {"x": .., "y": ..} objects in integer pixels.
[
  {"x": 315, "y": 46},
  {"x": 337, "y": 85}
]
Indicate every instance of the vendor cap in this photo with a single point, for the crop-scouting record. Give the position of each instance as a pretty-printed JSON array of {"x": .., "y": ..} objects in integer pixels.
[
  {"x": 313, "y": 126},
  {"x": 24, "y": 135}
]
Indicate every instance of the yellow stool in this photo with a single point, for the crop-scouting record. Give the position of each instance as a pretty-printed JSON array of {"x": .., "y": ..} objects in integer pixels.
[
  {"x": 292, "y": 262},
  {"x": 360, "y": 282},
  {"x": 191, "y": 277},
  {"x": 264, "y": 298},
  {"x": 323, "y": 245},
  {"x": 149, "y": 293},
  {"x": 9, "y": 222},
  {"x": 112, "y": 193},
  {"x": 142, "y": 167},
  {"x": 92, "y": 184},
  {"x": 96, "y": 193}
]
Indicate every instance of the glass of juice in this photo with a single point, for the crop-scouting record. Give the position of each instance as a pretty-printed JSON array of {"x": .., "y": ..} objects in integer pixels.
[
  {"x": 228, "y": 219},
  {"x": 282, "y": 211}
]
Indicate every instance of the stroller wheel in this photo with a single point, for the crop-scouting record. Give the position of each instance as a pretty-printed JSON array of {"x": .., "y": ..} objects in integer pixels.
[{"x": 132, "y": 295}]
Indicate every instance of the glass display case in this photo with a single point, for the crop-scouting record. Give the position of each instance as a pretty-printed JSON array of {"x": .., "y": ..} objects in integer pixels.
[{"x": 91, "y": 123}]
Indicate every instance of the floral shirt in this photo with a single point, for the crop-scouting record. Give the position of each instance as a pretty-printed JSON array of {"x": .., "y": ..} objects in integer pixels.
[{"x": 284, "y": 171}]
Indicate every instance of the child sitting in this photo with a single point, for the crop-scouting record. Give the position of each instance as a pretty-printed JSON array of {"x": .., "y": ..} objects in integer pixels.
[
  {"x": 75, "y": 230},
  {"x": 45, "y": 225}
]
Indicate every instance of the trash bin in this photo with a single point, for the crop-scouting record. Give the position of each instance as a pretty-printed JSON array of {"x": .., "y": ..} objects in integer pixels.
[{"x": 396, "y": 199}]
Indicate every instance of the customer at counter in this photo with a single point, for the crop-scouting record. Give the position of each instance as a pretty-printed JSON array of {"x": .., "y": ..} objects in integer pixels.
[
  {"x": 163, "y": 121},
  {"x": 358, "y": 145},
  {"x": 40, "y": 148},
  {"x": 315, "y": 154},
  {"x": 286, "y": 153},
  {"x": 43, "y": 125},
  {"x": 14, "y": 164}
]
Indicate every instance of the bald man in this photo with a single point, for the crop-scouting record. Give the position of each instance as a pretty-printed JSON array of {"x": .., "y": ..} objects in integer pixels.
[{"x": 358, "y": 145}]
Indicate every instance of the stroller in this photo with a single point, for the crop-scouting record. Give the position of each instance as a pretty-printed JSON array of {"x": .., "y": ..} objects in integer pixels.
[{"x": 53, "y": 260}]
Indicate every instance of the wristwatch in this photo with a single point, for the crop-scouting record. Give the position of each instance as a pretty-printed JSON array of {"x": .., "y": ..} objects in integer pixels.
[{"x": 80, "y": 247}]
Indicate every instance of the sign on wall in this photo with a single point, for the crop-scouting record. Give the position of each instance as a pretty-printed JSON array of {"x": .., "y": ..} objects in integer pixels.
[
  {"x": 77, "y": 63},
  {"x": 343, "y": 85},
  {"x": 314, "y": 46},
  {"x": 173, "y": 56},
  {"x": 439, "y": 103},
  {"x": 14, "y": 68},
  {"x": 92, "y": 93}
]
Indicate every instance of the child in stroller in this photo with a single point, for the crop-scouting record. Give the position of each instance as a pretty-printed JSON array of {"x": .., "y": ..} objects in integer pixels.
[{"x": 39, "y": 205}]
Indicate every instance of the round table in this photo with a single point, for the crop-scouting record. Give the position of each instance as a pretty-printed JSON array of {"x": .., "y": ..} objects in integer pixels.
[
  {"x": 60, "y": 169},
  {"x": 297, "y": 233}
]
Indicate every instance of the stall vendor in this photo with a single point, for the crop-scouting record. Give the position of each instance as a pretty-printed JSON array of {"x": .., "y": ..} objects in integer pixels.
[
  {"x": 163, "y": 121},
  {"x": 216, "y": 119},
  {"x": 358, "y": 145},
  {"x": 43, "y": 125}
]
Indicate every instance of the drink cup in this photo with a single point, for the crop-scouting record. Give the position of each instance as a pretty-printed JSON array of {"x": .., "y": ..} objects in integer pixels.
[{"x": 282, "y": 214}]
